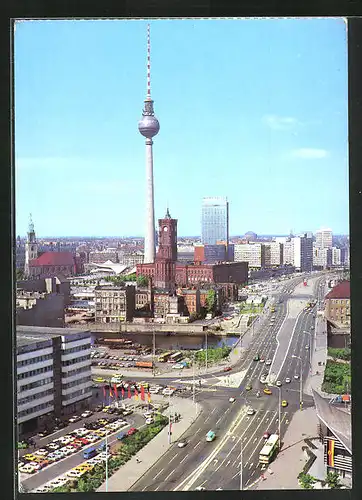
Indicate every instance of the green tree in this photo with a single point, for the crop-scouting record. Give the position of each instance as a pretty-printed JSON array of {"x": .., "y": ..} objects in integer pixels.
[
  {"x": 142, "y": 280},
  {"x": 306, "y": 481},
  {"x": 211, "y": 301},
  {"x": 333, "y": 480}
]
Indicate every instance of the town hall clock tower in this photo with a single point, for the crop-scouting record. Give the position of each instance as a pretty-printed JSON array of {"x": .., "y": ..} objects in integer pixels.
[{"x": 165, "y": 265}]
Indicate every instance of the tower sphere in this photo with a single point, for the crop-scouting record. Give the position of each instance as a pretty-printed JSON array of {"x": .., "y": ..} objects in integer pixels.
[{"x": 148, "y": 126}]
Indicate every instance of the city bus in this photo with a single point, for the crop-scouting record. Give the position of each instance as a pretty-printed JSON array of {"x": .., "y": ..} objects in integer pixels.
[
  {"x": 268, "y": 450},
  {"x": 175, "y": 357},
  {"x": 164, "y": 357},
  {"x": 89, "y": 453}
]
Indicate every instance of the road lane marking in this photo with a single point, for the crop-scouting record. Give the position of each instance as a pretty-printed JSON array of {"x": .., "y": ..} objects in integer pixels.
[
  {"x": 157, "y": 487},
  {"x": 218, "y": 420},
  {"x": 190, "y": 480},
  {"x": 157, "y": 474},
  {"x": 196, "y": 445},
  {"x": 184, "y": 458},
  {"x": 173, "y": 457},
  {"x": 170, "y": 474},
  {"x": 208, "y": 418}
]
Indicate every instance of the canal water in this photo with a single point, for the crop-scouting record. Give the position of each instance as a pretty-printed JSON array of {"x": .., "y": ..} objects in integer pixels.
[{"x": 163, "y": 341}]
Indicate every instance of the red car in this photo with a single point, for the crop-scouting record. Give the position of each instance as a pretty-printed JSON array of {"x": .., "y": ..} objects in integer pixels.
[
  {"x": 266, "y": 435},
  {"x": 132, "y": 430},
  {"x": 227, "y": 368},
  {"x": 83, "y": 440}
]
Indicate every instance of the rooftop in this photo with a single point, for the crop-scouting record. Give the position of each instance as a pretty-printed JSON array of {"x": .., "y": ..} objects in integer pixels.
[
  {"x": 29, "y": 334},
  {"x": 339, "y": 422},
  {"x": 340, "y": 291},
  {"x": 54, "y": 259}
]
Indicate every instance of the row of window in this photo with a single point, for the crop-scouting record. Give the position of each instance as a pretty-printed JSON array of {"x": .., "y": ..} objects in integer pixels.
[
  {"x": 38, "y": 383},
  {"x": 37, "y": 359},
  {"x": 32, "y": 373},
  {"x": 77, "y": 382},
  {"x": 77, "y": 393},
  {"x": 70, "y": 373},
  {"x": 23, "y": 401},
  {"x": 35, "y": 409},
  {"x": 70, "y": 362},
  {"x": 77, "y": 349}
]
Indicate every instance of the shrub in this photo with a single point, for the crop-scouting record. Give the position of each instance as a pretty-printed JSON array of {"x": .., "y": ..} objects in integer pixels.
[{"x": 336, "y": 377}]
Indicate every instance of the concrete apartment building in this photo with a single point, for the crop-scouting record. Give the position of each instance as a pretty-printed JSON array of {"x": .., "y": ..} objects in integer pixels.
[
  {"x": 336, "y": 256},
  {"x": 303, "y": 252},
  {"x": 322, "y": 257},
  {"x": 273, "y": 254},
  {"x": 252, "y": 253},
  {"x": 131, "y": 259},
  {"x": 53, "y": 370},
  {"x": 114, "y": 304}
]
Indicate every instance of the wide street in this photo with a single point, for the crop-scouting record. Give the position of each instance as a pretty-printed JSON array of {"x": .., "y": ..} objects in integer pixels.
[{"x": 217, "y": 464}]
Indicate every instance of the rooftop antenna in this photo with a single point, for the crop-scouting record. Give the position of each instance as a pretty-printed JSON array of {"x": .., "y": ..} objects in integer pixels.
[{"x": 148, "y": 64}]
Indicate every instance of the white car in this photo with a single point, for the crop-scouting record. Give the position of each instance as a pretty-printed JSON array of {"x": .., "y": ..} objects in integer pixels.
[
  {"x": 232, "y": 400},
  {"x": 287, "y": 380},
  {"x": 268, "y": 362},
  {"x": 182, "y": 444},
  {"x": 278, "y": 383},
  {"x": 56, "y": 483},
  {"x": 75, "y": 473},
  {"x": 82, "y": 431},
  {"x": 75, "y": 418},
  {"x": 149, "y": 421},
  {"x": 250, "y": 411},
  {"x": 200, "y": 488},
  {"x": 296, "y": 377},
  {"x": 87, "y": 414},
  {"x": 307, "y": 347},
  {"x": 167, "y": 392}
]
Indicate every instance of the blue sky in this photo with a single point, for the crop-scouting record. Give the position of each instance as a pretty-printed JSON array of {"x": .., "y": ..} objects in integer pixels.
[{"x": 255, "y": 110}]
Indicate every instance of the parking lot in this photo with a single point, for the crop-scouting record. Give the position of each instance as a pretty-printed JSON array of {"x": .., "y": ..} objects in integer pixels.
[{"x": 65, "y": 447}]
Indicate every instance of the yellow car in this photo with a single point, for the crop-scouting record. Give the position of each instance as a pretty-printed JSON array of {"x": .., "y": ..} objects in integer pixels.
[
  {"x": 99, "y": 433},
  {"x": 84, "y": 466},
  {"x": 29, "y": 457},
  {"x": 267, "y": 391},
  {"x": 284, "y": 403},
  {"x": 103, "y": 421}
]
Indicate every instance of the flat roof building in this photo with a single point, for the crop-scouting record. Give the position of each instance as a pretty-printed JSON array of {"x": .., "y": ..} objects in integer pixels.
[{"x": 53, "y": 370}]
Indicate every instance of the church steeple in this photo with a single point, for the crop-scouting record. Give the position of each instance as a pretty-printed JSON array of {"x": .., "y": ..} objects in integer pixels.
[{"x": 31, "y": 247}]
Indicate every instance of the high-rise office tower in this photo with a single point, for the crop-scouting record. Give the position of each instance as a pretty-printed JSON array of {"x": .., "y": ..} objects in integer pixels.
[
  {"x": 324, "y": 238},
  {"x": 214, "y": 220},
  {"x": 149, "y": 127}
]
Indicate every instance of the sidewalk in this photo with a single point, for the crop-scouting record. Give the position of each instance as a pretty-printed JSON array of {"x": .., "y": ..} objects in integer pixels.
[
  {"x": 319, "y": 355},
  {"x": 291, "y": 460},
  {"x": 132, "y": 471}
]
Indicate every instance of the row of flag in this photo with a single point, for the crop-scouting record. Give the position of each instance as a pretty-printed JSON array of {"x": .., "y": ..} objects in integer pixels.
[{"x": 115, "y": 393}]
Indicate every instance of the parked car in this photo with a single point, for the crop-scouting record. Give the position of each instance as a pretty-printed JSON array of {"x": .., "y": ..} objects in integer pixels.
[
  {"x": 75, "y": 418},
  {"x": 86, "y": 414}
]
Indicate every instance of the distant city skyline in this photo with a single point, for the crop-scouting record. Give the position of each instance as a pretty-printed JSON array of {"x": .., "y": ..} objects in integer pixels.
[{"x": 265, "y": 127}]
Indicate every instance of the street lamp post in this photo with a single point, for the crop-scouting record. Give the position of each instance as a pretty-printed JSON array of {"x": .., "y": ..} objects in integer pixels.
[
  {"x": 301, "y": 381},
  {"x": 206, "y": 352}
]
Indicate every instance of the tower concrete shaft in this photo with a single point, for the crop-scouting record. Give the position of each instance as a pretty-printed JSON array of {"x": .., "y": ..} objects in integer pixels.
[{"x": 150, "y": 206}]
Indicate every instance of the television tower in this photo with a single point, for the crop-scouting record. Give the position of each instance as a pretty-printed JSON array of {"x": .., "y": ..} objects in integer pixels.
[{"x": 149, "y": 127}]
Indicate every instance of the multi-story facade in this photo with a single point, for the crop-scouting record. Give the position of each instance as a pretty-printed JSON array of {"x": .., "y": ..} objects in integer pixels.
[
  {"x": 345, "y": 256},
  {"x": 53, "y": 374},
  {"x": 186, "y": 275},
  {"x": 114, "y": 304},
  {"x": 322, "y": 257},
  {"x": 252, "y": 253},
  {"x": 131, "y": 259},
  {"x": 214, "y": 220},
  {"x": 303, "y": 252},
  {"x": 337, "y": 304},
  {"x": 323, "y": 238},
  {"x": 192, "y": 300},
  {"x": 336, "y": 256},
  {"x": 102, "y": 256},
  {"x": 288, "y": 255},
  {"x": 210, "y": 254}
]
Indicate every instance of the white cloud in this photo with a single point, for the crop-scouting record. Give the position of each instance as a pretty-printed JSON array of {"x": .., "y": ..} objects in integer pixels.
[
  {"x": 309, "y": 153},
  {"x": 276, "y": 122}
]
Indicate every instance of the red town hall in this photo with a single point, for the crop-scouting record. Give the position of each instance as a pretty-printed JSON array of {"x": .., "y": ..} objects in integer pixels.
[{"x": 166, "y": 273}]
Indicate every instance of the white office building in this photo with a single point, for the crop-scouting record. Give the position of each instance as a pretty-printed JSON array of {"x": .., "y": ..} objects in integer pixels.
[
  {"x": 252, "y": 253},
  {"x": 53, "y": 370},
  {"x": 323, "y": 238},
  {"x": 336, "y": 256},
  {"x": 273, "y": 254}
]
